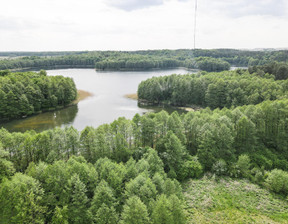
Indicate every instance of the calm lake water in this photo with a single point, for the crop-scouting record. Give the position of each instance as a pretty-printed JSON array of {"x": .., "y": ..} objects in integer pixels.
[{"x": 107, "y": 103}]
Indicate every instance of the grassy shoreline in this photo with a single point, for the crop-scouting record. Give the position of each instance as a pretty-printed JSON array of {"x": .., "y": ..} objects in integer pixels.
[
  {"x": 132, "y": 96},
  {"x": 81, "y": 95}
]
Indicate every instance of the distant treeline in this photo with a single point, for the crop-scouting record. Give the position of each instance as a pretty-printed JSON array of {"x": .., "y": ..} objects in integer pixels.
[
  {"x": 225, "y": 89},
  {"x": 27, "y": 93},
  {"x": 143, "y": 62},
  {"x": 208, "y": 60},
  {"x": 13, "y": 54}
]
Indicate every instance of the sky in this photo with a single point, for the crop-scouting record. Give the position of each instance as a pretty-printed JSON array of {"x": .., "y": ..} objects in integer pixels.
[{"x": 73, "y": 25}]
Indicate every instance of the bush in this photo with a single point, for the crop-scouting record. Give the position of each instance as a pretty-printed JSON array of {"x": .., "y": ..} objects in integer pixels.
[
  {"x": 258, "y": 174},
  {"x": 278, "y": 181},
  {"x": 220, "y": 168},
  {"x": 234, "y": 171},
  {"x": 244, "y": 165},
  {"x": 191, "y": 168}
]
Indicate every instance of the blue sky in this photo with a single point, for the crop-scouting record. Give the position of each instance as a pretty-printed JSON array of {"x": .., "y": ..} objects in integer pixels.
[{"x": 50, "y": 25}]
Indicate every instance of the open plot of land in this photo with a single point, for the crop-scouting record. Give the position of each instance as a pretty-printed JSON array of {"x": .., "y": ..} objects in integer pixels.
[{"x": 232, "y": 201}]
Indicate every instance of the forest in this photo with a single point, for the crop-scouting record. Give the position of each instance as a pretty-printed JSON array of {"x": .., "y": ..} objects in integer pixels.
[
  {"x": 214, "y": 90},
  {"x": 129, "y": 171},
  {"x": 157, "y": 167},
  {"x": 279, "y": 70},
  {"x": 208, "y": 60},
  {"x": 27, "y": 93}
]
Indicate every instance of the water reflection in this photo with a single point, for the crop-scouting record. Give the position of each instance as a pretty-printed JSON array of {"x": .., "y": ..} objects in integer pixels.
[
  {"x": 44, "y": 121},
  {"x": 158, "y": 108}
]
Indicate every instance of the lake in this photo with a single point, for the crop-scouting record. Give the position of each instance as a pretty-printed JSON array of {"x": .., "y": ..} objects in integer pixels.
[{"x": 107, "y": 103}]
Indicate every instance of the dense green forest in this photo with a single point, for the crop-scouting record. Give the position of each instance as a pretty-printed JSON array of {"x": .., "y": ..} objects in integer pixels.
[
  {"x": 208, "y": 60},
  {"x": 229, "y": 164},
  {"x": 26, "y": 93},
  {"x": 225, "y": 89},
  {"x": 13, "y": 54},
  {"x": 141, "y": 62},
  {"x": 127, "y": 171},
  {"x": 279, "y": 70}
]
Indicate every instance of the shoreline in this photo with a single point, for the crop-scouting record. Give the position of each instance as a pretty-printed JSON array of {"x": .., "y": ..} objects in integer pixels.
[
  {"x": 81, "y": 95},
  {"x": 134, "y": 96}
]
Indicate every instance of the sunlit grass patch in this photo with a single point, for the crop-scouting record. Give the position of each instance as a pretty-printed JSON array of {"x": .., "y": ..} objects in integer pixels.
[{"x": 232, "y": 201}]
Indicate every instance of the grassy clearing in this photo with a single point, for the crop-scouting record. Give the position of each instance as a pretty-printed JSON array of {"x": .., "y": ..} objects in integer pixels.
[{"x": 232, "y": 201}]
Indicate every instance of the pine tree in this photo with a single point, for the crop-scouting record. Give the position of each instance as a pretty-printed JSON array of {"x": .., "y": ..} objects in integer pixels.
[
  {"x": 103, "y": 196},
  {"x": 134, "y": 212},
  {"x": 106, "y": 215},
  {"x": 78, "y": 208},
  {"x": 60, "y": 215},
  {"x": 21, "y": 200},
  {"x": 161, "y": 212}
]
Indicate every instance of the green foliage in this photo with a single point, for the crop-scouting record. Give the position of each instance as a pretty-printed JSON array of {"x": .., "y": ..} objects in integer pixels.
[
  {"x": 26, "y": 93},
  {"x": 155, "y": 163},
  {"x": 212, "y": 64},
  {"x": 279, "y": 70},
  {"x": 78, "y": 212},
  {"x": 260, "y": 131},
  {"x": 244, "y": 165},
  {"x": 227, "y": 200},
  {"x": 171, "y": 151},
  {"x": 134, "y": 211},
  {"x": 278, "y": 181},
  {"x": 143, "y": 187},
  {"x": 220, "y": 168},
  {"x": 214, "y": 90},
  {"x": 112, "y": 173},
  {"x": 6, "y": 166},
  {"x": 161, "y": 211},
  {"x": 168, "y": 210},
  {"x": 103, "y": 203},
  {"x": 21, "y": 200},
  {"x": 106, "y": 215},
  {"x": 127, "y": 171},
  {"x": 138, "y": 60},
  {"x": 191, "y": 168},
  {"x": 60, "y": 215}
]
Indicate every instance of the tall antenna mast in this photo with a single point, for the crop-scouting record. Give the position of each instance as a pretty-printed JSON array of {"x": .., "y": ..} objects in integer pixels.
[{"x": 195, "y": 24}]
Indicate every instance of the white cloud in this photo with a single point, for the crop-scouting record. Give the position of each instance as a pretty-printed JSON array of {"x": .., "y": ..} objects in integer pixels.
[
  {"x": 130, "y": 5},
  {"x": 242, "y": 8},
  {"x": 37, "y": 25}
]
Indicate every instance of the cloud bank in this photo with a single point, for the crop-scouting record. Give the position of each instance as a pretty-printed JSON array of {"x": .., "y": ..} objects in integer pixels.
[
  {"x": 130, "y": 5},
  {"x": 43, "y": 25}
]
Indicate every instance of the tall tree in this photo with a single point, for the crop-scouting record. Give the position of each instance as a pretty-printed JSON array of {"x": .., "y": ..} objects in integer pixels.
[
  {"x": 134, "y": 211},
  {"x": 21, "y": 200},
  {"x": 78, "y": 208}
]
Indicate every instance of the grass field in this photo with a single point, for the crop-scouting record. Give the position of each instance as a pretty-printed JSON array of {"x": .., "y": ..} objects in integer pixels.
[{"x": 232, "y": 201}]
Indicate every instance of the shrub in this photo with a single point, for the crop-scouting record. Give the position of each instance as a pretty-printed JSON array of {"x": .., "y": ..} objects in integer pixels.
[
  {"x": 278, "y": 181},
  {"x": 220, "y": 168},
  {"x": 258, "y": 174},
  {"x": 244, "y": 165},
  {"x": 191, "y": 168}
]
